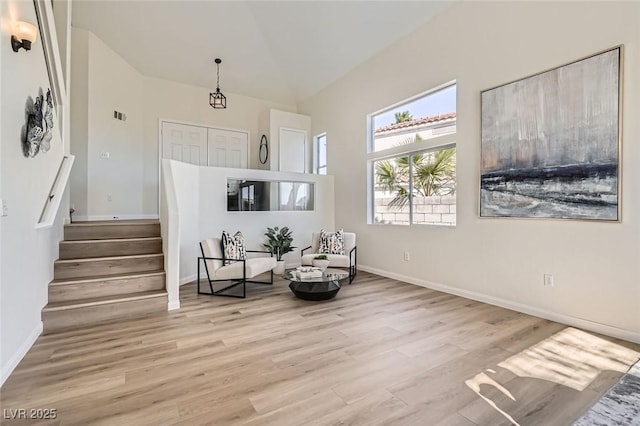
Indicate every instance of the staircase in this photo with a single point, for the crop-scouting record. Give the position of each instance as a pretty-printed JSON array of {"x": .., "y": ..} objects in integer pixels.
[{"x": 107, "y": 271}]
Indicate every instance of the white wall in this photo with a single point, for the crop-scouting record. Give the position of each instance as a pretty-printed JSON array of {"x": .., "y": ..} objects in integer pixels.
[
  {"x": 114, "y": 84},
  {"x": 114, "y": 185},
  {"x": 202, "y": 205},
  {"x": 482, "y": 45},
  {"x": 26, "y": 254},
  {"x": 79, "y": 101}
]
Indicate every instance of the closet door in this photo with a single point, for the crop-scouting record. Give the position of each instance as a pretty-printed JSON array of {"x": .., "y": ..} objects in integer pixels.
[
  {"x": 185, "y": 143},
  {"x": 228, "y": 148}
]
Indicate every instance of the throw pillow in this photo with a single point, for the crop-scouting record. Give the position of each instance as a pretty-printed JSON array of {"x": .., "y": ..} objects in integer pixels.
[
  {"x": 331, "y": 242},
  {"x": 233, "y": 247}
]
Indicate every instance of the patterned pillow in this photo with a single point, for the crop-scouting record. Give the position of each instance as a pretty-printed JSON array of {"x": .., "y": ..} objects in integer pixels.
[
  {"x": 233, "y": 247},
  {"x": 331, "y": 242}
]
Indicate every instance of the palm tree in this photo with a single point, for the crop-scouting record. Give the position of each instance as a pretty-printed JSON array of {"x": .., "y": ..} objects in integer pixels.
[
  {"x": 403, "y": 116},
  {"x": 434, "y": 173}
]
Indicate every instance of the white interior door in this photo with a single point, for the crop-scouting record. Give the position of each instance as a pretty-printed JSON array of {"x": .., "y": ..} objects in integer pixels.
[
  {"x": 293, "y": 149},
  {"x": 185, "y": 143},
  {"x": 228, "y": 148}
]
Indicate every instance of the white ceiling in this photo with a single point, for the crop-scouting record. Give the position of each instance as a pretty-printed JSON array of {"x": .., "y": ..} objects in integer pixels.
[{"x": 283, "y": 51}]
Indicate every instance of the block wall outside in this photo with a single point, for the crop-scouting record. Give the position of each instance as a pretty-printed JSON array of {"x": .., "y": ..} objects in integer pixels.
[{"x": 435, "y": 210}]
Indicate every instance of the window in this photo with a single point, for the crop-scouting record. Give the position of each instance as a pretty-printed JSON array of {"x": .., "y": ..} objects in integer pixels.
[
  {"x": 425, "y": 117},
  {"x": 321, "y": 154},
  {"x": 412, "y": 161}
]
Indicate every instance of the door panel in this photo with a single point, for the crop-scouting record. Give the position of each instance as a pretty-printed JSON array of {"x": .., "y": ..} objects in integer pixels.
[
  {"x": 235, "y": 157},
  {"x": 185, "y": 143},
  {"x": 176, "y": 152},
  {"x": 228, "y": 148},
  {"x": 204, "y": 146},
  {"x": 220, "y": 157}
]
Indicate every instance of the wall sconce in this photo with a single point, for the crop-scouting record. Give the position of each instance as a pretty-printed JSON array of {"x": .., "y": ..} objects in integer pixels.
[
  {"x": 216, "y": 99},
  {"x": 24, "y": 35}
]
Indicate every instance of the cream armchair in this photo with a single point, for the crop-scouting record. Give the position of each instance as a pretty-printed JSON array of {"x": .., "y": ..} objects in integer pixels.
[
  {"x": 236, "y": 272},
  {"x": 347, "y": 260}
]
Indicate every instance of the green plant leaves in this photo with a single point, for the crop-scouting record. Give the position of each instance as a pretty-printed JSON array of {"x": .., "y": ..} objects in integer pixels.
[{"x": 279, "y": 241}]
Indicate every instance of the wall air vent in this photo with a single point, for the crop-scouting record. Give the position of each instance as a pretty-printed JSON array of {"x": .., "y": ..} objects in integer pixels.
[{"x": 119, "y": 115}]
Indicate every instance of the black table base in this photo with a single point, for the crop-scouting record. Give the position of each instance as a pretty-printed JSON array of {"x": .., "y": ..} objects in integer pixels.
[{"x": 315, "y": 290}]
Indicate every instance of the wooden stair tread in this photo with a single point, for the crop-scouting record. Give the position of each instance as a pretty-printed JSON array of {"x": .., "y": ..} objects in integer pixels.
[
  {"x": 124, "y": 276},
  {"x": 60, "y": 306},
  {"x": 93, "y": 259},
  {"x": 114, "y": 222},
  {"x": 111, "y": 240}
]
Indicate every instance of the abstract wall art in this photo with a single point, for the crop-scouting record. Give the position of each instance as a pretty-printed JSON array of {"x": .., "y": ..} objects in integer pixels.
[
  {"x": 550, "y": 143},
  {"x": 37, "y": 132}
]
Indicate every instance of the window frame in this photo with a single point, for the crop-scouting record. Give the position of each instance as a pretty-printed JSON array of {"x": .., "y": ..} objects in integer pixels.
[
  {"x": 371, "y": 122},
  {"x": 371, "y": 184},
  {"x": 436, "y": 143},
  {"x": 317, "y": 167}
]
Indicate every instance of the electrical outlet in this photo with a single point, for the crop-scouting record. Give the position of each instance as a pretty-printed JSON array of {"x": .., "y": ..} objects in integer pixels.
[
  {"x": 4, "y": 209},
  {"x": 548, "y": 280},
  {"x": 109, "y": 199},
  {"x": 105, "y": 155},
  {"x": 407, "y": 256}
]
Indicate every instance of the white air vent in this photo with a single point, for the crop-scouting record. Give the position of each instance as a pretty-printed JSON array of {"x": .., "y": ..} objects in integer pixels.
[{"x": 119, "y": 115}]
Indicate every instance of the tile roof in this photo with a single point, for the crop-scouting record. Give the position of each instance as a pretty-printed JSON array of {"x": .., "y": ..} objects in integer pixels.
[{"x": 417, "y": 122}]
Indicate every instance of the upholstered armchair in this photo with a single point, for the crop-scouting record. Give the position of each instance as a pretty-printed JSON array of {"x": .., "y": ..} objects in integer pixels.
[
  {"x": 235, "y": 272},
  {"x": 347, "y": 260}
]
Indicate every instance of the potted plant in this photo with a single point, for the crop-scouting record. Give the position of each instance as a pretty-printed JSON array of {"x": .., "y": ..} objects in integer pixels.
[
  {"x": 321, "y": 261},
  {"x": 279, "y": 242}
]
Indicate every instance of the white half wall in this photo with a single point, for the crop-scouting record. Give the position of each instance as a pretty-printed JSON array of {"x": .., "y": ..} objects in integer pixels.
[
  {"x": 201, "y": 194},
  {"x": 482, "y": 45}
]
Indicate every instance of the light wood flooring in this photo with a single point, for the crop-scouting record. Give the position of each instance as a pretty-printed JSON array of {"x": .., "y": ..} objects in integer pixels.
[{"x": 382, "y": 352}]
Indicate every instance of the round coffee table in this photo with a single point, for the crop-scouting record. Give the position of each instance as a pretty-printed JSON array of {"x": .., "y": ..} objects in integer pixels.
[{"x": 316, "y": 288}]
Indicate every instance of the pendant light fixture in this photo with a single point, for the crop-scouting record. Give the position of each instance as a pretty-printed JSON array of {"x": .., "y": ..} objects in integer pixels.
[{"x": 216, "y": 99}]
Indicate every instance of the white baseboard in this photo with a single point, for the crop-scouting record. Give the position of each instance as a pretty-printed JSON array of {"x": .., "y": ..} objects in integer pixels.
[
  {"x": 172, "y": 306},
  {"x": 190, "y": 279},
  {"x": 596, "y": 327},
  {"x": 20, "y": 353},
  {"x": 115, "y": 217}
]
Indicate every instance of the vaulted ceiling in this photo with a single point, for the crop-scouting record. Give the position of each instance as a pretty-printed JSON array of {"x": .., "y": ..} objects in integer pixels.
[{"x": 283, "y": 51}]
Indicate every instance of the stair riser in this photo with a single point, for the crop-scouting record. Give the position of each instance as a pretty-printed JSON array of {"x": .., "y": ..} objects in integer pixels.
[
  {"x": 83, "y": 250},
  {"x": 114, "y": 287},
  {"x": 90, "y": 315},
  {"x": 97, "y": 267},
  {"x": 102, "y": 232}
]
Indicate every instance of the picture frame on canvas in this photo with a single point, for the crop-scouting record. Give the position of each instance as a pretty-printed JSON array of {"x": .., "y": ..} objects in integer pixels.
[{"x": 551, "y": 142}]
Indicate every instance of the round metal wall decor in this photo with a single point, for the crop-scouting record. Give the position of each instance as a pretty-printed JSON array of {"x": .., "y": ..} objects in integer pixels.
[{"x": 263, "y": 152}]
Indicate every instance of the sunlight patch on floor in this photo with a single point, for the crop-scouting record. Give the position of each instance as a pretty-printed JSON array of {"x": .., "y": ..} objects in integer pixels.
[
  {"x": 571, "y": 358},
  {"x": 483, "y": 379}
]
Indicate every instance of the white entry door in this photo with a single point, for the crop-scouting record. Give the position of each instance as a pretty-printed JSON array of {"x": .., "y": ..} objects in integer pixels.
[
  {"x": 185, "y": 143},
  {"x": 228, "y": 148}
]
